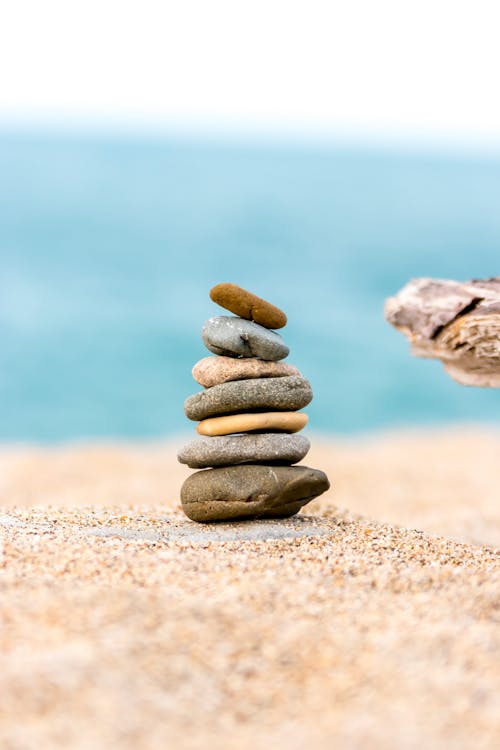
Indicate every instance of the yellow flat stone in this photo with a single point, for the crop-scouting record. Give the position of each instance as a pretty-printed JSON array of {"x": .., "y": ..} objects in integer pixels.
[{"x": 282, "y": 421}]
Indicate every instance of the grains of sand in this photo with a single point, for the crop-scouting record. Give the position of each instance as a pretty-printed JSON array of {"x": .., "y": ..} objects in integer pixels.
[{"x": 123, "y": 625}]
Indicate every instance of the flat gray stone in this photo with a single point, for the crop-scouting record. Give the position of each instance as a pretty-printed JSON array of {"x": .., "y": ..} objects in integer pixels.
[
  {"x": 227, "y": 450},
  {"x": 250, "y": 491},
  {"x": 10, "y": 521},
  {"x": 188, "y": 533},
  {"x": 261, "y": 530},
  {"x": 143, "y": 535},
  {"x": 235, "y": 337},
  {"x": 265, "y": 394}
]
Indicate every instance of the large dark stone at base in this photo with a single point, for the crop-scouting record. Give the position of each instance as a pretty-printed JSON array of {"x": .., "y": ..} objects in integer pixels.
[{"x": 250, "y": 491}]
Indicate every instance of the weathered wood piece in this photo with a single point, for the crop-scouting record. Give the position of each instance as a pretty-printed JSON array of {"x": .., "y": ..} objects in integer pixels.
[{"x": 458, "y": 323}]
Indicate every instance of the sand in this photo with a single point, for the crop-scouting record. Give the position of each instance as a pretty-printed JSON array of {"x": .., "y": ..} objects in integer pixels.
[{"x": 372, "y": 620}]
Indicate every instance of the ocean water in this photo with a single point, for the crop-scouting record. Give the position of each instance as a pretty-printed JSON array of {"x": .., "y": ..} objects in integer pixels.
[{"x": 109, "y": 245}]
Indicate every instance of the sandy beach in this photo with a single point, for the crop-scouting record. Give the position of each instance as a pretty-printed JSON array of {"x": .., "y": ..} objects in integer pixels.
[{"x": 372, "y": 620}]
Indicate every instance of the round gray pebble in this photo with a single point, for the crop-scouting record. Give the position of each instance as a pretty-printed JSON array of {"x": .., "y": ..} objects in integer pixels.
[{"x": 230, "y": 336}]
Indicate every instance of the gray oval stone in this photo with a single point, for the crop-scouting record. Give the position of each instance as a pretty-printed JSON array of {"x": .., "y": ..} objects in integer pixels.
[
  {"x": 251, "y": 491},
  {"x": 235, "y": 337},
  {"x": 271, "y": 394},
  {"x": 227, "y": 450}
]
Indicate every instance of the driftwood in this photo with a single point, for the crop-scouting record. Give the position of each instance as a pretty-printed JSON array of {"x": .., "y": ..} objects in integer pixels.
[{"x": 454, "y": 322}]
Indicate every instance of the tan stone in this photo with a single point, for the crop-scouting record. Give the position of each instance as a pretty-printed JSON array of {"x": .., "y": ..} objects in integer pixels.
[
  {"x": 283, "y": 421},
  {"x": 211, "y": 371},
  {"x": 247, "y": 305}
]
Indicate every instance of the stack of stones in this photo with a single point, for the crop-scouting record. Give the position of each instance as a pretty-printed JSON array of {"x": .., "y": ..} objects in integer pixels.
[{"x": 248, "y": 417}]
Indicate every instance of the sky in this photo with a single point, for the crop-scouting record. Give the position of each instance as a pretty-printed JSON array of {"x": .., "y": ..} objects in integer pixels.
[{"x": 424, "y": 70}]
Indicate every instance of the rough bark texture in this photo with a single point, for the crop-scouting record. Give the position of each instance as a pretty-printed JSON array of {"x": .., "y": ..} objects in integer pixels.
[{"x": 458, "y": 323}]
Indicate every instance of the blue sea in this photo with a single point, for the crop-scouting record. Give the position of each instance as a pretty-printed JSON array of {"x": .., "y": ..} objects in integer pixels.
[{"x": 109, "y": 246}]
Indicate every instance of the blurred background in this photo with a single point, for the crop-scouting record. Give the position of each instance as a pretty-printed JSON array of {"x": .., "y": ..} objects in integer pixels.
[{"x": 319, "y": 153}]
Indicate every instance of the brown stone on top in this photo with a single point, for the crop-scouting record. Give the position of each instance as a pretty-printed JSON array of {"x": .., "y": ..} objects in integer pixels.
[
  {"x": 211, "y": 371},
  {"x": 269, "y": 421},
  {"x": 250, "y": 491},
  {"x": 247, "y": 305}
]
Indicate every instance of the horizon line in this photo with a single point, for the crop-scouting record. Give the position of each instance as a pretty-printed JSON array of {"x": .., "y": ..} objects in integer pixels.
[{"x": 267, "y": 136}]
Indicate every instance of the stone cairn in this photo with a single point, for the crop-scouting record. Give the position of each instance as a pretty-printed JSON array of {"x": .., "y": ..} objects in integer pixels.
[{"x": 248, "y": 415}]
